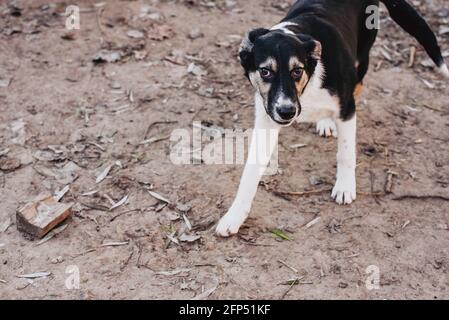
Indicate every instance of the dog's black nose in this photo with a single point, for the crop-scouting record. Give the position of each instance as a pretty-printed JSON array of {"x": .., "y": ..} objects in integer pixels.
[{"x": 287, "y": 112}]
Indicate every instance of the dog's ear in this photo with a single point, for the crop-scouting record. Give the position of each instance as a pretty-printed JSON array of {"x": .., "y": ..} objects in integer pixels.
[
  {"x": 314, "y": 49},
  {"x": 247, "y": 45}
]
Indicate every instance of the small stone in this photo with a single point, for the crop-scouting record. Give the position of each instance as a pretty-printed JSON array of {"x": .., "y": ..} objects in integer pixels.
[
  {"x": 135, "y": 34},
  {"x": 57, "y": 260},
  {"x": 195, "y": 34},
  {"x": 315, "y": 180}
]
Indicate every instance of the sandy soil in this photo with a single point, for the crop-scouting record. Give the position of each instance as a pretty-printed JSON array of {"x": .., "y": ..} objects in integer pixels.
[{"x": 53, "y": 94}]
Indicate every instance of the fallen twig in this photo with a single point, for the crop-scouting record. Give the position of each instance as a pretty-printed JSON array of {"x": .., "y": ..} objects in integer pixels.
[
  {"x": 291, "y": 283},
  {"x": 302, "y": 193},
  {"x": 126, "y": 262},
  {"x": 371, "y": 194},
  {"x": 83, "y": 253},
  {"x": 290, "y": 267},
  {"x": 99, "y": 14},
  {"x": 115, "y": 244},
  {"x": 320, "y": 191},
  {"x": 425, "y": 196},
  {"x": 389, "y": 183},
  {"x": 312, "y": 223},
  {"x": 255, "y": 244},
  {"x": 425, "y": 105},
  {"x": 122, "y": 213},
  {"x": 411, "y": 61},
  {"x": 40, "y": 274},
  {"x": 94, "y": 206}
]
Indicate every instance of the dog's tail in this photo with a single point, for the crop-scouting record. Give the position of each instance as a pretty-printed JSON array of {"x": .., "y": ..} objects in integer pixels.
[{"x": 412, "y": 22}]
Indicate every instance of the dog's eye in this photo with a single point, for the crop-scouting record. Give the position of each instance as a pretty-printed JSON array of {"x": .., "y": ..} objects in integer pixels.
[
  {"x": 266, "y": 73},
  {"x": 297, "y": 73}
]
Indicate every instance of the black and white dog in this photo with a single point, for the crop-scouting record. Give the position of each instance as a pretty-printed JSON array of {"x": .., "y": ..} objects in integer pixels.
[{"x": 310, "y": 68}]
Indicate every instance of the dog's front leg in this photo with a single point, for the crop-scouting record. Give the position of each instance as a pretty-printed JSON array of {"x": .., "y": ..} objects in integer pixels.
[
  {"x": 344, "y": 191},
  {"x": 264, "y": 139}
]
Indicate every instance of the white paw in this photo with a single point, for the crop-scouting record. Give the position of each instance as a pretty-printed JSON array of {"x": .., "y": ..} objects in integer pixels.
[
  {"x": 230, "y": 223},
  {"x": 344, "y": 191},
  {"x": 326, "y": 128}
]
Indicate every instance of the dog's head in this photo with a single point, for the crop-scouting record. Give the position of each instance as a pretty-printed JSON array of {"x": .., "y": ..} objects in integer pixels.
[{"x": 279, "y": 66}]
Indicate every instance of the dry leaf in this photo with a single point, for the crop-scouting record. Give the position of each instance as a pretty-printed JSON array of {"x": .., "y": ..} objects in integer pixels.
[
  {"x": 103, "y": 174},
  {"x": 159, "y": 197},
  {"x": 118, "y": 204}
]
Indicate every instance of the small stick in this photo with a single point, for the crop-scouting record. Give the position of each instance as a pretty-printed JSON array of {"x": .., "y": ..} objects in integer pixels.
[
  {"x": 122, "y": 213},
  {"x": 83, "y": 253},
  {"x": 371, "y": 194},
  {"x": 139, "y": 254},
  {"x": 411, "y": 62},
  {"x": 173, "y": 61},
  {"x": 287, "y": 291},
  {"x": 99, "y": 13},
  {"x": 389, "y": 183},
  {"x": 293, "y": 283},
  {"x": 257, "y": 244},
  {"x": 413, "y": 196},
  {"x": 425, "y": 105},
  {"x": 290, "y": 267},
  {"x": 115, "y": 244},
  {"x": 95, "y": 206},
  {"x": 303, "y": 193},
  {"x": 312, "y": 223},
  {"x": 320, "y": 191},
  {"x": 372, "y": 178},
  {"x": 126, "y": 262}
]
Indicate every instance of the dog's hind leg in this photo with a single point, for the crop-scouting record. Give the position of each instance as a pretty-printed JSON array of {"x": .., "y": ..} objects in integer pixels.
[
  {"x": 344, "y": 191},
  {"x": 263, "y": 143}
]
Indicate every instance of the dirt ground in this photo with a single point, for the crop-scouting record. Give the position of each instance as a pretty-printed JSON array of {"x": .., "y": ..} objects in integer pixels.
[{"x": 66, "y": 115}]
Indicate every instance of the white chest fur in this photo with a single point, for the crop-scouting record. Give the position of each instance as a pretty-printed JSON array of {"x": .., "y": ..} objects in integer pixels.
[{"x": 317, "y": 103}]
